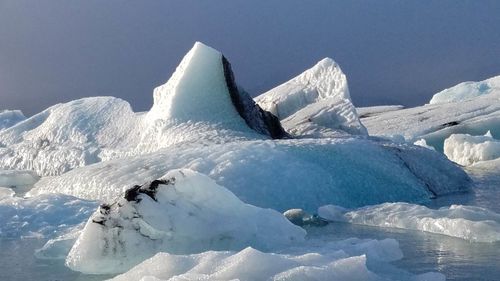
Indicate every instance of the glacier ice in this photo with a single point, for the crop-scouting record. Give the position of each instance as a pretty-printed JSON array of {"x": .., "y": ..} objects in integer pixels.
[
  {"x": 41, "y": 216},
  {"x": 467, "y": 90},
  {"x": 9, "y": 118},
  {"x": 471, "y": 223},
  {"x": 282, "y": 174},
  {"x": 466, "y": 150},
  {"x": 342, "y": 260},
  {"x": 315, "y": 103},
  {"x": 182, "y": 212}
]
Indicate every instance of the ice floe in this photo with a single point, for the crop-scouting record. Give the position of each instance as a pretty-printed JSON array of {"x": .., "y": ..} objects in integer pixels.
[
  {"x": 471, "y": 223},
  {"x": 466, "y": 150}
]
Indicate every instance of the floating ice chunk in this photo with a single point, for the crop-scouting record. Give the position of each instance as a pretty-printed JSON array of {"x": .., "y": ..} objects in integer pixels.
[
  {"x": 301, "y": 218},
  {"x": 42, "y": 216},
  {"x": 423, "y": 143},
  {"x": 284, "y": 174},
  {"x": 9, "y": 118},
  {"x": 466, "y": 150},
  {"x": 341, "y": 261},
  {"x": 18, "y": 178},
  {"x": 183, "y": 212},
  {"x": 314, "y": 103},
  {"x": 467, "y": 90},
  {"x": 471, "y": 223}
]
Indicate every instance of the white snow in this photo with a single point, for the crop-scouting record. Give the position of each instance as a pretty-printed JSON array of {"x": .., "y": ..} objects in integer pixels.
[
  {"x": 315, "y": 103},
  {"x": 41, "y": 216},
  {"x": 9, "y": 118},
  {"x": 187, "y": 212},
  {"x": 466, "y": 150},
  {"x": 471, "y": 223},
  {"x": 342, "y": 260},
  {"x": 282, "y": 174},
  {"x": 423, "y": 143},
  {"x": 467, "y": 90}
]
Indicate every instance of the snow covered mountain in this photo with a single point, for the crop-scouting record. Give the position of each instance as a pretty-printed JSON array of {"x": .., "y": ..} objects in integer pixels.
[{"x": 315, "y": 103}]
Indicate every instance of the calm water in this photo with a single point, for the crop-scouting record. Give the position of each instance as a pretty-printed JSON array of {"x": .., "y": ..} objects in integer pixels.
[{"x": 423, "y": 252}]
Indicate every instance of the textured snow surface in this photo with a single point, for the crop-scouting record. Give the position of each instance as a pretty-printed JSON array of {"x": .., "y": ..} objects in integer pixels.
[
  {"x": 9, "y": 118},
  {"x": 315, "y": 103},
  {"x": 41, "y": 216},
  {"x": 282, "y": 174},
  {"x": 436, "y": 122},
  {"x": 471, "y": 223},
  {"x": 466, "y": 150},
  {"x": 183, "y": 212},
  {"x": 342, "y": 260},
  {"x": 467, "y": 90}
]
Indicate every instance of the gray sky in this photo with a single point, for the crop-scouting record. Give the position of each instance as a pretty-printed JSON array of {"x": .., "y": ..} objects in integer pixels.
[{"x": 393, "y": 52}]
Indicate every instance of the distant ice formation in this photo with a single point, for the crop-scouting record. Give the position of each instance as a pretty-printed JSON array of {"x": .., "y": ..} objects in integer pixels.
[
  {"x": 315, "y": 103},
  {"x": 467, "y": 90},
  {"x": 471, "y": 223},
  {"x": 466, "y": 150}
]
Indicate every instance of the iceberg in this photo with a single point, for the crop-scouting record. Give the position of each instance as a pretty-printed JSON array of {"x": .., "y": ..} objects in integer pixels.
[
  {"x": 466, "y": 150},
  {"x": 18, "y": 178},
  {"x": 436, "y": 122},
  {"x": 470, "y": 223},
  {"x": 315, "y": 103},
  {"x": 200, "y": 103},
  {"x": 9, "y": 118},
  {"x": 183, "y": 212},
  {"x": 467, "y": 90}
]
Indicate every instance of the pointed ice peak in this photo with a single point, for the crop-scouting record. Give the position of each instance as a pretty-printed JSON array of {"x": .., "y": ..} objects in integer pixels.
[
  {"x": 315, "y": 102},
  {"x": 203, "y": 89},
  {"x": 322, "y": 81}
]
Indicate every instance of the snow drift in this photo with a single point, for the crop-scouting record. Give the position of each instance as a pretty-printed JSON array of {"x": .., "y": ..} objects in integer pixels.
[
  {"x": 315, "y": 103},
  {"x": 471, "y": 223},
  {"x": 182, "y": 212},
  {"x": 466, "y": 150}
]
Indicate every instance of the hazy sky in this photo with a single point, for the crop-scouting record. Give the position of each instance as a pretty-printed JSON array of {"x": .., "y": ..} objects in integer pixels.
[{"x": 393, "y": 52}]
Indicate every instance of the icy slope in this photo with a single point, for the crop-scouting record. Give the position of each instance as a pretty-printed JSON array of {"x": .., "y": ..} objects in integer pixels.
[
  {"x": 182, "y": 212},
  {"x": 282, "y": 174},
  {"x": 467, "y": 90},
  {"x": 471, "y": 223},
  {"x": 436, "y": 122},
  {"x": 9, "y": 118},
  {"x": 315, "y": 103},
  {"x": 466, "y": 150}
]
